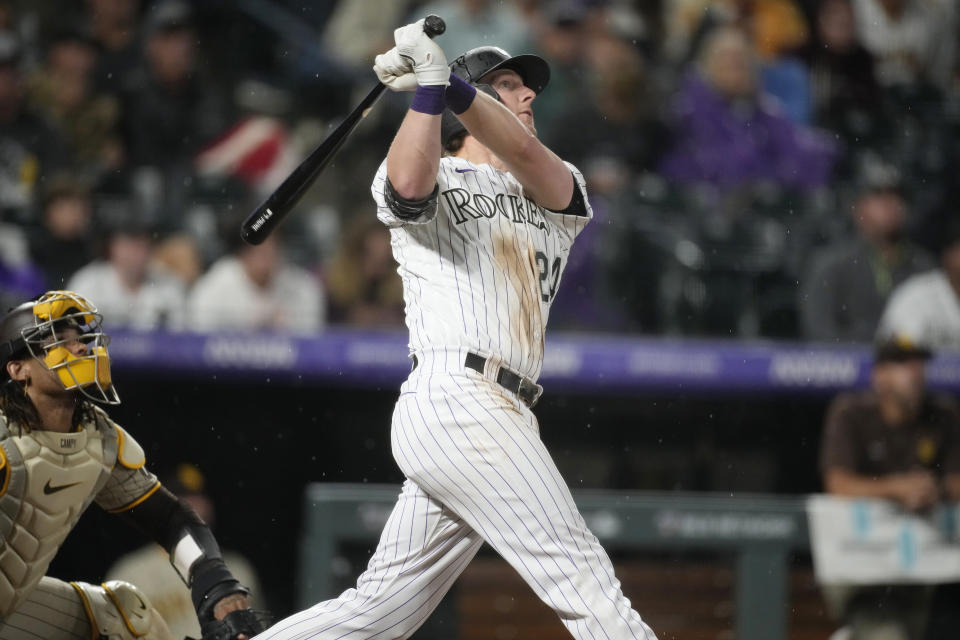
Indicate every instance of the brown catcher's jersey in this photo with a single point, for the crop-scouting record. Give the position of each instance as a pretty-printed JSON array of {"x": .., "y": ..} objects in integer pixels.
[{"x": 47, "y": 480}]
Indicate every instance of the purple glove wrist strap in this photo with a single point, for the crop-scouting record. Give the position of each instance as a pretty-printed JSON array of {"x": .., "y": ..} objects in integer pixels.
[
  {"x": 460, "y": 94},
  {"x": 428, "y": 100}
]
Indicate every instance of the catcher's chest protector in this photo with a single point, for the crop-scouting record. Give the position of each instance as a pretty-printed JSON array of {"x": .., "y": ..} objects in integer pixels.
[{"x": 47, "y": 480}]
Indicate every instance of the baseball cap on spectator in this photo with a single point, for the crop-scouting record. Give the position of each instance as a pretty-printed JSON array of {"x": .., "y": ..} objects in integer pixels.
[
  {"x": 188, "y": 483},
  {"x": 900, "y": 349},
  {"x": 169, "y": 15},
  {"x": 185, "y": 479}
]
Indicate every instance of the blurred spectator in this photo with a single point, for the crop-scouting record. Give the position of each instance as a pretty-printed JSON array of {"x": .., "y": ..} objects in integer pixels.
[
  {"x": 62, "y": 91},
  {"x": 779, "y": 31},
  {"x": 363, "y": 286},
  {"x": 357, "y": 31},
  {"x": 846, "y": 95},
  {"x": 913, "y": 41},
  {"x": 847, "y": 285},
  {"x": 63, "y": 240},
  {"x": 727, "y": 133},
  {"x": 29, "y": 147},
  {"x": 253, "y": 289},
  {"x": 151, "y": 570},
  {"x": 926, "y": 308},
  {"x": 898, "y": 442},
  {"x": 775, "y": 26},
  {"x": 787, "y": 80},
  {"x": 476, "y": 23},
  {"x": 171, "y": 109},
  {"x": 776, "y": 29},
  {"x": 114, "y": 26},
  {"x": 20, "y": 279},
  {"x": 24, "y": 20},
  {"x": 593, "y": 297},
  {"x": 561, "y": 38},
  {"x": 128, "y": 287},
  {"x": 624, "y": 19},
  {"x": 617, "y": 133},
  {"x": 179, "y": 254}
]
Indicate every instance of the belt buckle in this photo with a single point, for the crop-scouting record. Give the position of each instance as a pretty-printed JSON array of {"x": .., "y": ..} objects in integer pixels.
[{"x": 531, "y": 389}]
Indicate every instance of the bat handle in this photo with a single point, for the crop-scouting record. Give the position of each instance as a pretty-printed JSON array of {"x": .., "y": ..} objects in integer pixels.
[{"x": 434, "y": 26}]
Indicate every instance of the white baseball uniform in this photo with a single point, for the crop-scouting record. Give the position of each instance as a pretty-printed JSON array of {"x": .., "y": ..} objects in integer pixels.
[{"x": 479, "y": 274}]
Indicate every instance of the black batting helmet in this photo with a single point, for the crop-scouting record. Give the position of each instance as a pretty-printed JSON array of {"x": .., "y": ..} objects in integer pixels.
[{"x": 476, "y": 63}]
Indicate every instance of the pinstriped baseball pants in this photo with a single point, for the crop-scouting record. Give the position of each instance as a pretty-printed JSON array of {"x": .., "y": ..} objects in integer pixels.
[
  {"x": 476, "y": 471},
  {"x": 52, "y": 611}
]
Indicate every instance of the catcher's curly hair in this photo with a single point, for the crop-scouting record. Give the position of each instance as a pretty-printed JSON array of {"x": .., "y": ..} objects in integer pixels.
[{"x": 18, "y": 408}]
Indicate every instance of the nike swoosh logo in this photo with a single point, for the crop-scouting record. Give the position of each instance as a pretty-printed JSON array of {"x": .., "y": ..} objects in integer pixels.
[
  {"x": 463, "y": 170},
  {"x": 48, "y": 489}
]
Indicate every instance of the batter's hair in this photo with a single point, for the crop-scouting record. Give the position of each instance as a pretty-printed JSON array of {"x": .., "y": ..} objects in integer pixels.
[
  {"x": 18, "y": 408},
  {"x": 454, "y": 144}
]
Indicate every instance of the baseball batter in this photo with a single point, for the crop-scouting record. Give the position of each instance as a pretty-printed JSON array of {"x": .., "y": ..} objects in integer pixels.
[
  {"x": 482, "y": 217},
  {"x": 58, "y": 453}
]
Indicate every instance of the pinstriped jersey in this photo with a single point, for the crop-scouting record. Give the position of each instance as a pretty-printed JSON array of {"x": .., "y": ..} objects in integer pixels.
[{"x": 481, "y": 271}]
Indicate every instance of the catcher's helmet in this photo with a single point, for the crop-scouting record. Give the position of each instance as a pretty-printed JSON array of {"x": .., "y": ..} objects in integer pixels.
[
  {"x": 476, "y": 63},
  {"x": 38, "y": 329}
]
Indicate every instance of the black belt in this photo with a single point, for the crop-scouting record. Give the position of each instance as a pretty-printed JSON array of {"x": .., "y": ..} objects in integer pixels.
[{"x": 526, "y": 389}]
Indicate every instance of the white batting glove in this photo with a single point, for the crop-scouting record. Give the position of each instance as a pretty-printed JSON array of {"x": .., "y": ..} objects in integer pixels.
[
  {"x": 426, "y": 56},
  {"x": 395, "y": 71}
]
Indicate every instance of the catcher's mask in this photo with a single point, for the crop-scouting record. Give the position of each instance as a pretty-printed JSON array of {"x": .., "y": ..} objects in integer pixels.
[{"x": 47, "y": 329}]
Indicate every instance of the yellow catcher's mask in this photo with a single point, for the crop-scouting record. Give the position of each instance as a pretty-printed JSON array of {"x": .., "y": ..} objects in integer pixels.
[
  {"x": 62, "y": 330},
  {"x": 77, "y": 372}
]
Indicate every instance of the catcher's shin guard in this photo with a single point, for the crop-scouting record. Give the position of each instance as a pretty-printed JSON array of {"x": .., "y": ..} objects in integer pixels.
[{"x": 119, "y": 611}]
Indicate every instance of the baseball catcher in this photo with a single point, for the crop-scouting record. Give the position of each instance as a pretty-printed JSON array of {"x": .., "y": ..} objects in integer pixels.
[{"x": 58, "y": 453}]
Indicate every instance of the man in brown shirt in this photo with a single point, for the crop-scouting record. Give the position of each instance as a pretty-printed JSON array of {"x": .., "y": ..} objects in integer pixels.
[{"x": 895, "y": 441}]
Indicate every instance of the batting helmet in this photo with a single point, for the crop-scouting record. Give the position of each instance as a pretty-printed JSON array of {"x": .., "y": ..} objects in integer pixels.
[
  {"x": 476, "y": 63},
  {"x": 39, "y": 329}
]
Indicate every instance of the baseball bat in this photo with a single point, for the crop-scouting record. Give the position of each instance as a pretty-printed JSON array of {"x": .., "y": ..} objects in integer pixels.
[{"x": 265, "y": 218}]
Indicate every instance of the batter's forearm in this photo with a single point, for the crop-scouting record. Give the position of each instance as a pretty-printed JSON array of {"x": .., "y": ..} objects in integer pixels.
[
  {"x": 414, "y": 157},
  {"x": 498, "y": 129},
  {"x": 541, "y": 172}
]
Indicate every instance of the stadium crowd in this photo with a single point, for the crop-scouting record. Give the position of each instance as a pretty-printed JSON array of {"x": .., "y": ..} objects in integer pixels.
[{"x": 758, "y": 168}]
